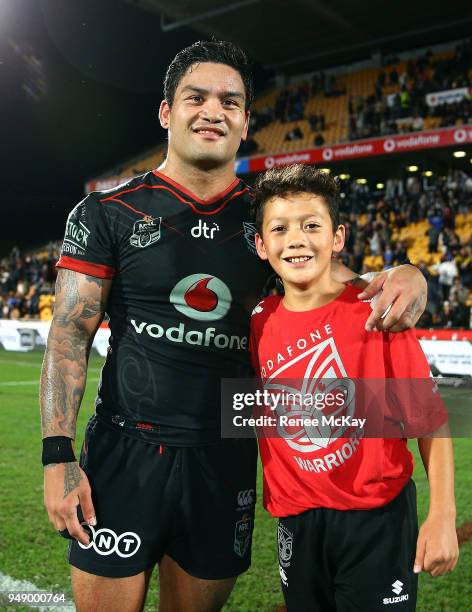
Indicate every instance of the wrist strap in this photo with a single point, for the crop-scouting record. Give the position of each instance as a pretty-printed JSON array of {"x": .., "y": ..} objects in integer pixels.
[{"x": 57, "y": 449}]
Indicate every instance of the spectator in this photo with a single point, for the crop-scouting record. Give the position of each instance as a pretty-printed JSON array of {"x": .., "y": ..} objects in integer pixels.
[
  {"x": 294, "y": 134},
  {"x": 447, "y": 271}
]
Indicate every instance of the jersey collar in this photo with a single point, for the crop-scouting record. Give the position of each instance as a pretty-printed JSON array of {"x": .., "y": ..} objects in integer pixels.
[{"x": 189, "y": 194}]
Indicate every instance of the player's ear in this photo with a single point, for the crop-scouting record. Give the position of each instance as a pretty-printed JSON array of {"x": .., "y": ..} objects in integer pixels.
[
  {"x": 246, "y": 125},
  {"x": 164, "y": 114},
  {"x": 339, "y": 239},
  {"x": 260, "y": 248}
]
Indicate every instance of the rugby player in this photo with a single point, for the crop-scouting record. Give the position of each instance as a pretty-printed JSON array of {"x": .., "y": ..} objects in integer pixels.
[{"x": 170, "y": 257}]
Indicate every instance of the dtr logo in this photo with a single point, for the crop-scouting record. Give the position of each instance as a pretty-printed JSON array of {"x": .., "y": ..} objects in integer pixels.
[
  {"x": 204, "y": 229},
  {"x": 202, "y": 297},
  {"x": 105, "y": 542}
]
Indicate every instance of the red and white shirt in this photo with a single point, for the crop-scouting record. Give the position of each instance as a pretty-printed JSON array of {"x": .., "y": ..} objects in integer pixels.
[{"x": 332, "y": 467}]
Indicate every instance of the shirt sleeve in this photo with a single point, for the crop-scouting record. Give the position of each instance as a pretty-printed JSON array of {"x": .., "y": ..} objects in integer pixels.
[
  {"x": 412, "y": 389},
  {"x": 88, "y": 244}
]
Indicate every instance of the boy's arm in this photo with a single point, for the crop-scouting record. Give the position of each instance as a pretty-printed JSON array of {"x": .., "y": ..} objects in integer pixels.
[
  {"x": 403, "y": 287},
  {"x": 423, "y": 412},
  {"x": 437, "y": 548}
]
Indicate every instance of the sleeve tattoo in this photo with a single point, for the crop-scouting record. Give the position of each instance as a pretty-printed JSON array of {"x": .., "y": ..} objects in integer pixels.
[{"x": 78, "y": 311}]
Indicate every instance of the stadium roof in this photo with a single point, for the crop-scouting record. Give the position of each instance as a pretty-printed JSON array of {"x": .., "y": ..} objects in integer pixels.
[{"x": 292, "y": 36}]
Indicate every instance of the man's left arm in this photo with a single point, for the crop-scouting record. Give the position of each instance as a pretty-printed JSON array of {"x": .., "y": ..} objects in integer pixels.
[{"x": 404, "y": 288}]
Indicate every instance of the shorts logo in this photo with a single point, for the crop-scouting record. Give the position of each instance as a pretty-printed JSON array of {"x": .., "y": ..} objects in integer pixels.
[
  {"x": 246, "y": 498},
  {"x": 242, "y": 535},
  {"x": 146, "y": 231},
  {"x": 285, "y": 542},
  {"x": 202, "y": 297},
  {"x": 283, "y": 576},
  {"x": 250, "y": 231},
  {"x": 105, "y": 542},
  {"x": 397, "y": 588}
]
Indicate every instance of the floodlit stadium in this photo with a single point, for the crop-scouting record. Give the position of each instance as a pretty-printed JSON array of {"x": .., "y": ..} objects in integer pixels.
[{"x": 380, "y": 98}]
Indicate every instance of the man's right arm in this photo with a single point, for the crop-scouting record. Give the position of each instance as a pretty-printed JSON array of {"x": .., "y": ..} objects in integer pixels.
[{"x": 79, "y": 308}]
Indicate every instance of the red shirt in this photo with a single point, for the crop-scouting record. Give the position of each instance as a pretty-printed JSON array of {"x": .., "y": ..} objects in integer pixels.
[{"x": 298, "y": 349}]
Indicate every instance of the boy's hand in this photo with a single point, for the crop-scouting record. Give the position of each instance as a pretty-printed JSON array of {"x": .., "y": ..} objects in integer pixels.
[
  {"x": 404, "y": 289},
  {"x": 437, "y": 549}
]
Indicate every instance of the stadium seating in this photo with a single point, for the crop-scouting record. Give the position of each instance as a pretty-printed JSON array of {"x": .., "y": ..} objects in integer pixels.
[{"x": 361, "y": 83}]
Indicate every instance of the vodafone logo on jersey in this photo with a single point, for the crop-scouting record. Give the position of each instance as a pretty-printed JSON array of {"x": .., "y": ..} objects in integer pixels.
[{"x": 202, "y": 297}]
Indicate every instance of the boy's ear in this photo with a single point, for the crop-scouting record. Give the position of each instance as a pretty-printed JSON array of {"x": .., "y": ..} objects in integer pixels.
[
  {"x": 260, "y": 248},
  {"x": 339, "y": 239}
]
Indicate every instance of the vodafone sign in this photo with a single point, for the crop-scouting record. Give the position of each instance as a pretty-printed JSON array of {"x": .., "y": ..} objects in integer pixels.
[{"x": 414, "y": 141}]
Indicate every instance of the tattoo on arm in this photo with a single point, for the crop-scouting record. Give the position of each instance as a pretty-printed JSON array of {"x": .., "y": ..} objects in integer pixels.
[
  {"x": 72, "y": 477},
  {"x": 79, "y": 307}
]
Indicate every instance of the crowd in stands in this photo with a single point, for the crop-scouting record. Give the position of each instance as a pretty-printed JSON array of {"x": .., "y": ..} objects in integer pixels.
[
  {"x": 290, "y": 106},
  {"x": 379, "y": 114},
  {"x": 27, "y": 283},
  {"x": 374, "y": 220}
]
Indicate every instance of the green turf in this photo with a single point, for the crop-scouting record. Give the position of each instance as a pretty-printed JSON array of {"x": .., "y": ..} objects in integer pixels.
[{"x": 30, "y": 550}]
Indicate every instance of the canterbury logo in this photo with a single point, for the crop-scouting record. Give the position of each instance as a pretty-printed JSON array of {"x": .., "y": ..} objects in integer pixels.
[{"x": 246, "y": 498}]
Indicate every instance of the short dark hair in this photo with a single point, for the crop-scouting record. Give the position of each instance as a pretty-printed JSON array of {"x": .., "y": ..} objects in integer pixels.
[
  {"x": 297, "y": 178},
  {"x": 217, "y": 51}
]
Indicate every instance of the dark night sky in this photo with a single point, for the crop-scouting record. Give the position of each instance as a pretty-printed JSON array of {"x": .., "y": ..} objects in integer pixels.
[{"x": 102, "y": 67}]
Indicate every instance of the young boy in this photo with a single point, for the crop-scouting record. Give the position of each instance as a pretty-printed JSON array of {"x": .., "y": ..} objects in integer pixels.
[{"x": 347, "y": 532}]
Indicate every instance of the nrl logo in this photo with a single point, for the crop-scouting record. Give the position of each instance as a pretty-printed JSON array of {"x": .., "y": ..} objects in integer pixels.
[
  {"x": 242, "y": 535},
  {"x": 146, "y": 231},
  {"x": 249, "y": 236}
]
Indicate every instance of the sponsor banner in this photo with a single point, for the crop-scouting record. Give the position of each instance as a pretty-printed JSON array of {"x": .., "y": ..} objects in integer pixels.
[
  {"x": 448, "y": 356},
  {"x": 32, "y": 335},
  {"x": 363, "y": 148},
  {"x": 448, "y": 96}
]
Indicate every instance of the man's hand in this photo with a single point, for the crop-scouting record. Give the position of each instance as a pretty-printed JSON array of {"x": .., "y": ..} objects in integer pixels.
[
  {"x": 65, "y": 487},
  {"x": 437, "y": 550},
  {"x": 404, "y": 289}
]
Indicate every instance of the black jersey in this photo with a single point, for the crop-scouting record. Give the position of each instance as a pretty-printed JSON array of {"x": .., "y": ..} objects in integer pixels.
[{"x": 185, "y": 276}]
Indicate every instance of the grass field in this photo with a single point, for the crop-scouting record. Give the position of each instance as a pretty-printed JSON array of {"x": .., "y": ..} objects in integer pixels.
[{"x": 30, "y": 550}]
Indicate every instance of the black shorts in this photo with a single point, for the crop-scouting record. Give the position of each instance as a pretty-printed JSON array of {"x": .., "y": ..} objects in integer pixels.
[
  {"x": 350, "y": 560},
  {"x": 194, "y": 504}
]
